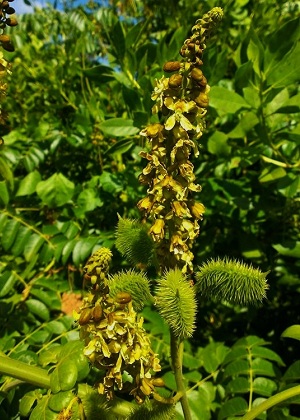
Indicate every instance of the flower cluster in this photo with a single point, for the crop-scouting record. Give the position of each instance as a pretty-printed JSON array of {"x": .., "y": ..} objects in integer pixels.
[
  {"x": 182, "y": 101},
  {"x": 115, "y": 340},
  {"x": 6, "y": 44}
]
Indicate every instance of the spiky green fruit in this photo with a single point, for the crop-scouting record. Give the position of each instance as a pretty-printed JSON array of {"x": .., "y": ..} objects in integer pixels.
[
  {"x": 134, "y": 283},
  {"x": 232, "y": 281},
  {"x": 175, "y": 299},
  {"x": 133, "y": 242}
]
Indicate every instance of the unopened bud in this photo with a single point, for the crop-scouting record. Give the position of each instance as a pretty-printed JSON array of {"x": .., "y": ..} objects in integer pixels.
[
  {"x": 196, "y": 74},
  {"x": 11, "y": 22},
  {"x": 175, "y": 81},
  {"x": 170, "y": 66},
  {"x": 202, "y": 100},
  {"x": 123, "y": 297}
]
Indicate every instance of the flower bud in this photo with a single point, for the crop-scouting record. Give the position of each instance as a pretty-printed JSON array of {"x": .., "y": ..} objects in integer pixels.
[
  {"x": 97, "y": 313},
  {"x": 85, "y": 316},
  {"x": 196, "y": 74},
  {"x": 158, "y": 382},
  {"x": 123, "y": 297},
  {"x": 175, "y": 81},
  {"x": 170, "y": 66},
  {"x": 202, "y": 100},
  {"x": 11, "y": 22}
]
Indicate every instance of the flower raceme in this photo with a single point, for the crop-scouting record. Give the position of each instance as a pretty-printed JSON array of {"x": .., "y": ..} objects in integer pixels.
[{"x": 182, "y": 101}]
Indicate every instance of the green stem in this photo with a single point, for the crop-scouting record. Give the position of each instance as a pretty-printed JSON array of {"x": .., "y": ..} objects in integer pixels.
[
  {"x": 270, "y": 402},
  {"x": 176, "y": 356},
  {"x": 19, "y": 370}
]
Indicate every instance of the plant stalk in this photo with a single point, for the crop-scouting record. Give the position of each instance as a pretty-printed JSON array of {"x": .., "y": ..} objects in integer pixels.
[
  {"x": 19, "y": 370},
  {"x": 176, "y": 357},
  {"x": 270, "y": 402}
]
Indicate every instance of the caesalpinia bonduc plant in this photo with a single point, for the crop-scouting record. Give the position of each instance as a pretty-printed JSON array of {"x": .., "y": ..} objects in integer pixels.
[{"x": 115, "y": 341}]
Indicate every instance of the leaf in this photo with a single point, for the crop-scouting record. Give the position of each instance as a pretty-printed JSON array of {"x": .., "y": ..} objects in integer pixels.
[
  {"x": 32, "y": 246},
  {"x": 28, "y": 184},
  {"x": 292, "y": 332},
  {"x": 271, "y": 174},
  {"x": 264, "y": 386},
  {"x": 83, "y": 249},
  {"x": 238, "y": 386},
  {"x": 212, "y": 356},
  {"x": 56, "y": 190},
  {"x": 226, "y": 101},
  {"x": 9, "y": 233},
  {"x": 64, "y": 376},
  {"x": 119, "y": 127},
  {"x": 288, "y": 248},
  {"x": 21, "y": 241},
  {"x": 263, "y": 367},
  {"x": 280, "y": 99},
  {"x": 217, "y": 144},
  {"x": 120, "y": 147},
  {"x": 60, "y": 400},
  {"x": 27, "y": 402},
  {"x": 42, "y": 412},
  {"x": 233, "y": 407},
  {"x": 293, "y": 372},
  {"x": 238, "y": 367},
  {"x": 286, "y": 71},
  {"x": 99, "y": 74},
  {"x": 4, "y": 195},
  {"x": 38, "y": 308},
  {"x": 7, "y": 282}
]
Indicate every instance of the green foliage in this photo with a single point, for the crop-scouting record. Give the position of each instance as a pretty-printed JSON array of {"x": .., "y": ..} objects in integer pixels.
[{"x": 78, "y": 96}]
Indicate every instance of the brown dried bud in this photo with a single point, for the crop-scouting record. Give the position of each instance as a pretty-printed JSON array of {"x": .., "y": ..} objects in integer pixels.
[
  {"x": 8, "y": 46},
  {"x": 175, "y": 81},
  {"x": 202, "y": 100},
  {"x": 4, "y": 39},
  {"x": 196, "y": 74},
  {"x": 85, "y": 316},
  {"x": 97, "y": 313},
  {"x": 171, "y": 66},
  {"x": 11, "y": 22},
  {"x": 10, "y": 10},
  {"x": 123, "y": 297},
  {"x": 4, "y": 4}
]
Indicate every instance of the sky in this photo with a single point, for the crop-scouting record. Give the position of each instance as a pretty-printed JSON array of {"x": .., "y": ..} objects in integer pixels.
[{"x": 21, "y": 7}]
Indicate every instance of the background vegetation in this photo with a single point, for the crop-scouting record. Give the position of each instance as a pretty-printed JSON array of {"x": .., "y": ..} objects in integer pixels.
[{"x": 78, "y": 96}]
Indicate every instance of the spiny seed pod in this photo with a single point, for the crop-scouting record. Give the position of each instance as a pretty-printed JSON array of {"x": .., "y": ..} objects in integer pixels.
[
  {"x": 85, "y": 316},
  {"x": 123, "y": 297},
  {"x": 175, "y": 81},
  {"x": 196, "y": 74},
  {"x": 171, "y": 66},
  {"x": 202, "y": 100}
]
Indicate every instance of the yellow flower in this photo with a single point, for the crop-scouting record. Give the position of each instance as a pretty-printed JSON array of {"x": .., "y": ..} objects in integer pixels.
[
  {"x": 180, "y": 107},
  {"x": 157, "y": 230},
  {"x": 159, "y": 90}
]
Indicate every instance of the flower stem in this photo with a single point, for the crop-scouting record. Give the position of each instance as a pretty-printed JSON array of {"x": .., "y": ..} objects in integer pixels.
[
  {"x": 176, "y": 356},
  {"x": 19, "y": 370},
  {"x": 270, "y": 402}
]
